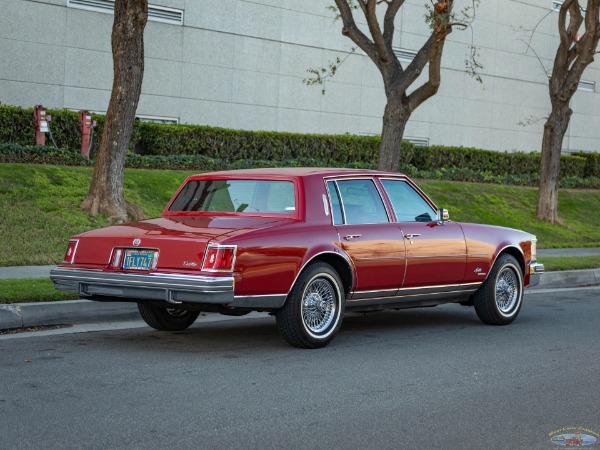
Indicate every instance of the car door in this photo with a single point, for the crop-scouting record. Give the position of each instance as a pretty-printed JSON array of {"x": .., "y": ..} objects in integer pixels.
[
  {"x": 372, "y": 242},
  {"x": 436, "y": 253}
]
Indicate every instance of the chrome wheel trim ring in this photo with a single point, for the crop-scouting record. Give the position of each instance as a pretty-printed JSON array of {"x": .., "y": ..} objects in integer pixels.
[
  {"x": 320, "y": 306},
  {"x": 508, "y": 290}
]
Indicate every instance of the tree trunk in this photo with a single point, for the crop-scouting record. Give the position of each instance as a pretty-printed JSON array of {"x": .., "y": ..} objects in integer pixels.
[
  {"x": 554, "y": 132},
  {"x": 396, "y": 78},
  {"x": 106, "y": 191},
  {"x": 575, "y": 52},
  {"x": 395, "y": 117}
]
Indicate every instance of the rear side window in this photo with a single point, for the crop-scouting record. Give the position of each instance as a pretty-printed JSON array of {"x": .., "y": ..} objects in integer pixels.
[
  {"x": 360, "y": 202},
  {"x": 408, "y": 204},
  {"x": 236, "y": 196},
  {"x": 336, "y": 205}
]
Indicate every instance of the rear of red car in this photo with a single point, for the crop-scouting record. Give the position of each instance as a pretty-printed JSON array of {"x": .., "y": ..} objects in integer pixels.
[{"x": 182, "y": 256}]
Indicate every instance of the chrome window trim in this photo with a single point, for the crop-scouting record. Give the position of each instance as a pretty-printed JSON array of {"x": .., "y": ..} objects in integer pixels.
[
  {"x": 419, "y": 193},
  {"x": 373, "y": 179}
]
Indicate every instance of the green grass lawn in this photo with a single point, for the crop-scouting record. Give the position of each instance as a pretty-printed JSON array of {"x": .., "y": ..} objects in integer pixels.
[
  {"x": 556, "y": 263},
  {"x": 40, "y": 208},
  {"x": 40, "y": 211},
  {"x": 31, "y": 290},
  {"x": 514, "y": 207}
]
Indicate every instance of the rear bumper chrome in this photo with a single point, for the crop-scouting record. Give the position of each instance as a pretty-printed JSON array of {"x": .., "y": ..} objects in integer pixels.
[
  {"x": 535, "y": 273},
  {"x": 170, "y": 288}
]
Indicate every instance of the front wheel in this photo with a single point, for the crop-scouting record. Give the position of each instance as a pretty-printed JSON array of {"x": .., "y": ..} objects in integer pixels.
[
  {"x": 313, "y": 312},
  {"x": 167, "y": 319},
  {"x": 498, "y": 300}
]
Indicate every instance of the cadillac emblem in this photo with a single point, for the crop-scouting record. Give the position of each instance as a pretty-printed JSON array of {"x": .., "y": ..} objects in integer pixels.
[{"x": 137, "y": 241}]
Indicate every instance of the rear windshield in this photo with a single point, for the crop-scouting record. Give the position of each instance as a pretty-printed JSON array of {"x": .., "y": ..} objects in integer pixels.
[{"x": 236, "y": 196}]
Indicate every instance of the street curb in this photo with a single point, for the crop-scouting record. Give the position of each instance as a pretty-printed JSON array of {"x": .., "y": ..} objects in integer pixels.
[
  {"x": 19, "y": 315},
  {"x": 569, "y": 279}
]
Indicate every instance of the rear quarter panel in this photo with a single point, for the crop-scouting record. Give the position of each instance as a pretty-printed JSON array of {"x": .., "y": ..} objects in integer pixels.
[
  {"x": 268, "y": 261},
  {"x": 486, "y": 242}
]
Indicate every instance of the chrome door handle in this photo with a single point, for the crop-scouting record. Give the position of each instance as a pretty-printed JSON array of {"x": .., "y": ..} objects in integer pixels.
[
  {"x": 410, "y": 236},
  {"x": 349, "y": 237}
]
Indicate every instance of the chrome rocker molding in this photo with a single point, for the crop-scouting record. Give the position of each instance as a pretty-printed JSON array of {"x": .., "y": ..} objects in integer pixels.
[{"x": 409, "y": 297}]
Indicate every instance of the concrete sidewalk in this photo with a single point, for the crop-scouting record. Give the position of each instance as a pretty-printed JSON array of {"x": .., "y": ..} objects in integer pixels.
[
  {"x": 85, "y": 311},
  {"x": 25, "y": 272}
]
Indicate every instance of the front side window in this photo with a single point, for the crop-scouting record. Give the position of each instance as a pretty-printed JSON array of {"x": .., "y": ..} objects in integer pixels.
[
  {"x": 360, "y": 201},
  {"x": 408, "y": 204},
  {"x": 236, "y": 196}
]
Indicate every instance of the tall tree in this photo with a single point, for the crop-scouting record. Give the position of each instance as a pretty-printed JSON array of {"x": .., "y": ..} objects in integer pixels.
[
  {"x": 106, "y": 191},
  {"x": 396, "y": 78},
  {"x": 574, "y": 54}
]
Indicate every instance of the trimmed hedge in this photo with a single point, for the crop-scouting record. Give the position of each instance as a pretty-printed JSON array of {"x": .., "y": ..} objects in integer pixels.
[
  {"x": 208, "y": 148},
  {"x": 16, "y": 153},
  {"x": 50, "y": 155},
  {"x": 592, "y": 163},
  {"x": 500, "y": 163},
  {"x": 17, "y": 127},
  {"x": 232, "y": 145}
]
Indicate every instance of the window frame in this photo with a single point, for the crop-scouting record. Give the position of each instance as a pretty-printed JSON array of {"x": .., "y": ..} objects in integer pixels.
[
  {"x": 378, "y": 187},
  {"x": 416, "y": 189},
  {"x": 167, "y": 212}
]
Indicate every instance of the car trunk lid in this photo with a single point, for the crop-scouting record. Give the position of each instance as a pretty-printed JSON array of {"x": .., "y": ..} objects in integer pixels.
[{"x": 175, "y": 243}]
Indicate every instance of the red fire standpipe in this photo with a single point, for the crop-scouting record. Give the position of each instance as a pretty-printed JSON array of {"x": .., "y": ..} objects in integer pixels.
[
  {"x": 85, "y": 128},
  {"x": 41, "y": 124}
]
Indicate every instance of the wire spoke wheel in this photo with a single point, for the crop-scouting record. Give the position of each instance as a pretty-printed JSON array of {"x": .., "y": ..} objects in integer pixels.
[
  {"x": 507, "y": 290},
  {"x": 319, "y": 305},
  {"x": 498, "y": 300},
  {"x": 313, "y": 312}
]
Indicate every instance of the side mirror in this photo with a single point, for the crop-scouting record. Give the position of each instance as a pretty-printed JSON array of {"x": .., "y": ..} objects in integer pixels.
[{"x": 442, "y": 215}]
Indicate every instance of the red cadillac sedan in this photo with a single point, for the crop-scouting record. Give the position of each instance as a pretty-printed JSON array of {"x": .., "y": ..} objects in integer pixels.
[{"x": 304, "y": 244}]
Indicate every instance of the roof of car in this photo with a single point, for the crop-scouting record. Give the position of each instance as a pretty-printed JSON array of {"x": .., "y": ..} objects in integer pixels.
[{"x": 295, "y": 172}]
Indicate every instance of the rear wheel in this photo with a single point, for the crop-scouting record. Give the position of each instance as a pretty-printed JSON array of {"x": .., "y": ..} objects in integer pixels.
[
  {"x": 167, "y": 319},
  {"x": 498, "y": 300},
  {"x": 313, "y": 312}
]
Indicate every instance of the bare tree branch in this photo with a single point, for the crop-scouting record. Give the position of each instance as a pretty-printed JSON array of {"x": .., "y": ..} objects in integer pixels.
[
  {"x": 351, "y": 30},
  {"x": 388, "y": 21},
  {"x": 383, "y": 50}
]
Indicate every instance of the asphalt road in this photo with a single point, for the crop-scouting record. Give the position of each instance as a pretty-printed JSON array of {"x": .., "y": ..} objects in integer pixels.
[{"x": 433, "y": 378}]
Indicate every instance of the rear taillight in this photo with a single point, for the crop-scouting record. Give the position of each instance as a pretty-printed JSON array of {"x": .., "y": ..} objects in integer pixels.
[
  {"x": 115, "y": 260},
  {"x": 219, "y": 258},
  {"x": 70, "y": 253}
]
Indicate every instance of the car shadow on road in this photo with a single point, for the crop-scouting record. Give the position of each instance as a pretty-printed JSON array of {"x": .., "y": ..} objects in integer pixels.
[{"x": 261, "y": 333}]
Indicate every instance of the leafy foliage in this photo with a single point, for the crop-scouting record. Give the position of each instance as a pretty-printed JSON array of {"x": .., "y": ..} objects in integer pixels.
[
  {"x": 433, "y": 163},
  {"x": 40, "y": 208},
  {"x": 17, "y": 126},
  {"x": 203, "y": 148}
]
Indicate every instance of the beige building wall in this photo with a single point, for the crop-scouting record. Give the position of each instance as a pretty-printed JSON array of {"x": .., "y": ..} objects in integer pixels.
[{"x": 240, "y": 64}]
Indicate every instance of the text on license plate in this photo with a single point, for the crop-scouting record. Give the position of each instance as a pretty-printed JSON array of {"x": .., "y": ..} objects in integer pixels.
[{"x": 139, "y": 259}]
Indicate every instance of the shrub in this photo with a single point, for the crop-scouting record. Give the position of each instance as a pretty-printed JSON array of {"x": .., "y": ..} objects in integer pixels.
[{"x": 198, "y": 147}]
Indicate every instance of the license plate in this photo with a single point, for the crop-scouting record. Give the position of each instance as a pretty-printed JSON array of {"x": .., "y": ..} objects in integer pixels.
[{"x": 139, "y": 259}]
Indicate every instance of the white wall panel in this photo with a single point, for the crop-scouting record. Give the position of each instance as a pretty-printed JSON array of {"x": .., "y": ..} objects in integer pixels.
[{"x": 241, "y": 65}]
